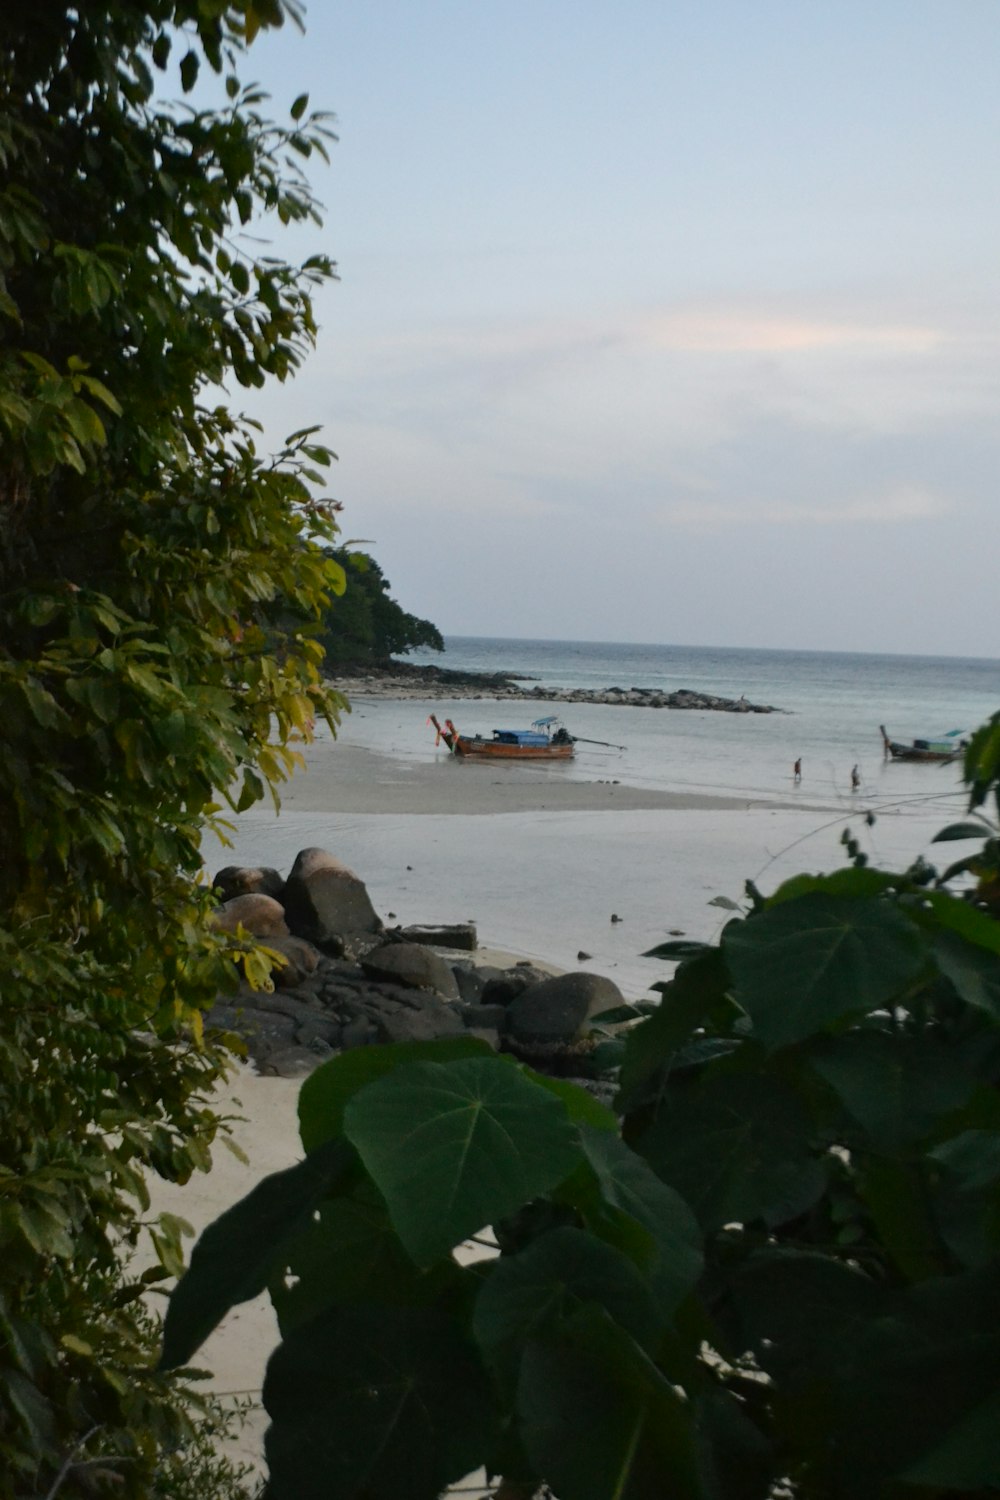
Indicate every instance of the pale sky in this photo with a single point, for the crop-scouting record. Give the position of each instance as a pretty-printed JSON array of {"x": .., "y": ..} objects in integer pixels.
[{"x": 661, "y": 320}]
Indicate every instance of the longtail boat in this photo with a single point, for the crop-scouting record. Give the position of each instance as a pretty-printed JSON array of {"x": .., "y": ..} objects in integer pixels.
[
  {"x": 946, "y": 748},
  {"x": 545, "y": 740}
]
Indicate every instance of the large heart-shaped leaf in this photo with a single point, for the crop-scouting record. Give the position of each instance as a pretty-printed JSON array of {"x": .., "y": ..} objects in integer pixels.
[
  {"x": 737, "y": 1147},
  {"x": 375, "y": 1402},
  {"x": 452, "y": 1147},
  {"x": 895, "y": 1086},
  {"x": 235, "y": 1255},
  {"x": 628, "y": 1184},
  {"x": 325, "y": 1093},
  {"x": 801, "y": 966},
  {"x": 546, "y": 1283},
  {"x": 599, "y": 1420}
]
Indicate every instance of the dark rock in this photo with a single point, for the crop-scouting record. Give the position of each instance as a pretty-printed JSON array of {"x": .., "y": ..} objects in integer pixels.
[
  {"x": 511, "y": 983},
  {"x": 494, "y": 1017},
  {"x": 248, "y": 880},
  {"x": 581, "y": 956},
  {"x": 398, "y": 1022},
  {"x": 558, "y": 1009},
  {"x": 302, "y": 960},
  {"x": 325, "y": 901},
  {"x": 472, "y": 981},
  {"x": 410, "y": 964},
  {"x": 461, "y": 935},
  {"x": 291, "y": 1062},
  {"x": 359, "y": 1032}
]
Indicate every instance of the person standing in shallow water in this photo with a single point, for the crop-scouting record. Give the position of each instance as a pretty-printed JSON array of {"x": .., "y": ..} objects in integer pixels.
[
  {"x": 855, "y": 778},
  {"x": 798, "y": 769}
]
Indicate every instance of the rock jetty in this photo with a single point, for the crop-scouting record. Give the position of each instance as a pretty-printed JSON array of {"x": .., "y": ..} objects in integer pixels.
[
  {"x": 400, "y": 680},
  {"x": 341, "y": 978}
]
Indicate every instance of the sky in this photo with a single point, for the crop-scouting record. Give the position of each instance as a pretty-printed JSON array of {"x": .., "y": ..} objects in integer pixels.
[{"x": 663, "y": 320}]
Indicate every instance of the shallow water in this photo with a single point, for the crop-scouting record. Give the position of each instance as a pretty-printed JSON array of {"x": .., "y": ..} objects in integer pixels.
[{"x": 547, "y": 884}]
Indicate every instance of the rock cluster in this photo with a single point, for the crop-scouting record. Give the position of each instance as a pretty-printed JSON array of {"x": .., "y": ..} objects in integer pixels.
[
  {"x": 437, "y": 683},
  {"x": 342, "y": 979}
]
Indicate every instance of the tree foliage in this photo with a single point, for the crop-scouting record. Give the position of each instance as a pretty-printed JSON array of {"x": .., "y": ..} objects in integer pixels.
[
  {"x": 775, "y": 1271},
  {"x": 147, "y": 551},
  {"x": 367, "y": 625}
]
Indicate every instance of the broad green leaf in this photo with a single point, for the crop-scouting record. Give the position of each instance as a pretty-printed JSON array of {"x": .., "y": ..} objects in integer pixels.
[
  {"x": 697, "y": 989},
  {"x": 548, "y": 1281},
  {"x": 233, "y": 1257},
  {"x": 959, "y": 916},
  {"x": 325, "y": 1093},
  {"x": 851, "y": 881},
  {"x": 804, "y": 965},
  {"x": 961, "y": 831},
  {"x": 628, "y": 1185},
  {"x": 599, "y": 1421},
  {"x": 967, "y": 1457},
  {"x": 738, "y": 1148},
  {"x": 349, "y": 1253},
  {"x": 897, "y": 1086},
  {"x": 453, "y": 1146},
  {"x": 973, "y": 970},
  {"x": 379, "y": 1402}
]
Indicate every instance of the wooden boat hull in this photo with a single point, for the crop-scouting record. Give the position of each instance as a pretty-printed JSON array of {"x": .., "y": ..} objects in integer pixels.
[
  {"x": 918, "y": 752},
  {"x": 490, "y": 750},
  {"x": 478, "y": 748}
]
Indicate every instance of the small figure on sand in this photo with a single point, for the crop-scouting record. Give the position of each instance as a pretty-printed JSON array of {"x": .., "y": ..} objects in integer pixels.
[
  {"x": 855, "y": 779},
  {"x": 797, "y": 773}
]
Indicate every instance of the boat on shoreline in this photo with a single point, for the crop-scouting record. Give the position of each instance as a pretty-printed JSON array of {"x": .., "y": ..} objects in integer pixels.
[
  {"x": 948, "y": 747},
  {"x": 545, "y": 740}
]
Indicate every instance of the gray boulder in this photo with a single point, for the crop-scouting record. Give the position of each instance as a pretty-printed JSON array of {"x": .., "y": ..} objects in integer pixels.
[
  {"x": 559, "y": 1009},
  {"x": 325, "y": 901},
  {"x": 410, "y": 964},
  {"x": 510, "y": 983}
]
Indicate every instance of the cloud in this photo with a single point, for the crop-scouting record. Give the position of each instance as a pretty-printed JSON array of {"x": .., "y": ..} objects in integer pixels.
[
  {"x": 732, "y": 331},
  {"x": 901, "y": 504}
]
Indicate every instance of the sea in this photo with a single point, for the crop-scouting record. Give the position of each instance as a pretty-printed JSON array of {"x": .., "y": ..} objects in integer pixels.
[
  {"x": 828, "y": 709},
  {"x": 596, "y": 890}
]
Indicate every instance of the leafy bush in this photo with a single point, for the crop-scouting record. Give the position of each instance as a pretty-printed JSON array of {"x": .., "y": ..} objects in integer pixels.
[
  {"x": 146, "y": 552},
  {"x": 778, "y": 1274}
]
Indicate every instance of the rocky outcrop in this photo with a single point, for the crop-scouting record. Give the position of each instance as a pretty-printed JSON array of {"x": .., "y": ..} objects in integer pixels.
[
  {"x": 403, "y": 680},
  {"x": 341, "y": 980}
]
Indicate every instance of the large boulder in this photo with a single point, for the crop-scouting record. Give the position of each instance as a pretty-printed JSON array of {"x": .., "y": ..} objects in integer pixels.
[
  {"x": 248, "y": 880},
  {"x": 301, "y": 960},
  {"x": 325, "y": 902},
  {"x": 260, "y": 915},
  {"x": 559, "y": 1009},
  {"x": 413, "y": 965},
  {"x": 509, "y": 983}
]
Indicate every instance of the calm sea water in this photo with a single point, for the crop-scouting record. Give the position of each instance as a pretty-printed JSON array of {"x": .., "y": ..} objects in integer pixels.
[
  {"x": 546, "y": 884},
  {"x": 832, "y": 705}
]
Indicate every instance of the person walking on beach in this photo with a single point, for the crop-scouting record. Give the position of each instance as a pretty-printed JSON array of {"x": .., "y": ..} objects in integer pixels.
[
  {"x": 798, "y": 769},
  {"x": 855, "y": 779}
]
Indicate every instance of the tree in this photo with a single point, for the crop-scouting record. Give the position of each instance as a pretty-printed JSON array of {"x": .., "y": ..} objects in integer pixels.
[
  {"x": 774, "y": 1272},
  {"x": 367, "y": 625},
  {"x": 147, "y": 551}
]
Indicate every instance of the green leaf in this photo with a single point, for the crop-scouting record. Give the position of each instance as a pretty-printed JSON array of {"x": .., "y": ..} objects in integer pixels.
[
  {"x": 375, "y": 1402},
  {"x": 671, "y": 1257},
  {"x": 190, "y": 63},
  {"x": 897, "y": 1086},
  {"x": 961, "y": 831},
  {"x": 453, "y": 1146},
  {"x": 300, "y": 106},
  {"x": 802, "y": 966},
  {"x": 967, "y": 1457},
  {"x": 326, "y": 1092},
  {"x": 233, "y": 1258},
  {"x": 599, "y": 1421},
  {"x": 738, "y": 1148},
  {"x": 557, "y": 1273}
]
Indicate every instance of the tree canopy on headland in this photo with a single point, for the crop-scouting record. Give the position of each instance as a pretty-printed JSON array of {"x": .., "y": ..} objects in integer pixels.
[{"x": 366, "y": 625}]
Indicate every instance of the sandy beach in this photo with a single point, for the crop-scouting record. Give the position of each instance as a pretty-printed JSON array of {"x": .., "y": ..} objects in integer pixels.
[{"x": 581, "y": 873}]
